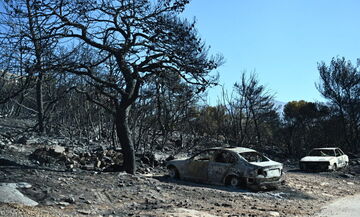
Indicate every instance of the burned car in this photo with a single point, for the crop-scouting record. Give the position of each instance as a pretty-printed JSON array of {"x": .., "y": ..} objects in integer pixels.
[
  {"x": 322, "y": 159},
  {"x": 234, "y": 166}
]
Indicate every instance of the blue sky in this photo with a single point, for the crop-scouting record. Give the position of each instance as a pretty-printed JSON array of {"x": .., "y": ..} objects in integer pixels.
[{"x": 281, "y": 40}]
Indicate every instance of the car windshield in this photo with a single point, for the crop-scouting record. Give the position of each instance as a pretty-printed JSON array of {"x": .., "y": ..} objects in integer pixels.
[
  {"x": 322, "y": 152},
  {"x": 253, "y": 156}
]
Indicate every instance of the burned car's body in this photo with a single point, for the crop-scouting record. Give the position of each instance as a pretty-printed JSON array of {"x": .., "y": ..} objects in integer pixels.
[
  {"x": 233, "y": 166},
  {"x": 322, "y": 159}
]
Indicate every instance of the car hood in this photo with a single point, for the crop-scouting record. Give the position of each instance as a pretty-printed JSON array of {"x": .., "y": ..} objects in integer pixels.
[
  {"x": 316, "y": 158},
  {"x": 270, "y": 163}
]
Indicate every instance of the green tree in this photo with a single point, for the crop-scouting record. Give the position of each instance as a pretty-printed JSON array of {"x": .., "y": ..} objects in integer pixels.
[
  {"x": 340, "y": 84},
  {"x": 304, "y": 125}
]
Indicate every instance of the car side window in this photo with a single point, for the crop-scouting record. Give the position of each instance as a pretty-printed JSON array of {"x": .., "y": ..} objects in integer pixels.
[
  {"x": 225, "y": 157},
  {"x": 204, "y": 156},
  {"x": 342, "y": 153},
  {"x": 338, "y": 153}
]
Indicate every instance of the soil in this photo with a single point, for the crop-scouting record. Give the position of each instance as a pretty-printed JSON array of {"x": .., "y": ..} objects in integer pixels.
[
  {"x": 344, "y": 207},
  {"x": 64, "y": 191}
]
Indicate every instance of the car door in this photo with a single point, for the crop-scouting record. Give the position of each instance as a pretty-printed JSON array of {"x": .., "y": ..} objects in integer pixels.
[
  {"x": 197, "y": 166},
  {"x": 341, "y": 158},
  {"x": 219, "y": 167}
]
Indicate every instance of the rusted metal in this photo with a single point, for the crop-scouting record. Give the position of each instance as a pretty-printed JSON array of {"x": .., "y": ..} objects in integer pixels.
[{"x": 220, "y": 165}]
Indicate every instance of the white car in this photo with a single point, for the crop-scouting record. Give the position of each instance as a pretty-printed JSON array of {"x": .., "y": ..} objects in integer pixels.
[
  {"x": 234, "y": 166},
  {"x": 322, "y": 159}
]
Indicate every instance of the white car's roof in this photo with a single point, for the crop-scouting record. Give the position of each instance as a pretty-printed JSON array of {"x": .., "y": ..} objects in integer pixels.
[
  {"x": 235, "y": 149},
  {"x": 330, "y": 148}
]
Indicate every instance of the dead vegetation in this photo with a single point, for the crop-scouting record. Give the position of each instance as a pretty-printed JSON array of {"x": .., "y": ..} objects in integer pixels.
[{"x": 87, "y": 190}]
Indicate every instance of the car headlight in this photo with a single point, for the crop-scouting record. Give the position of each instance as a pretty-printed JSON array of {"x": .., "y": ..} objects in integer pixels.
[{"x": 261, "y": 172}]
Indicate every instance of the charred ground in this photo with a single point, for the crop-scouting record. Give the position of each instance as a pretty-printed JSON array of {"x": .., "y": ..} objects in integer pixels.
[{"x": 68, "y": 178}]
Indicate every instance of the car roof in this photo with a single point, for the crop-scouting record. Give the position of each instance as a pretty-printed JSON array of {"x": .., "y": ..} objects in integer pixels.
[
  {"x": 329, "y": 148},
  {"x": 234, "y": 149}
]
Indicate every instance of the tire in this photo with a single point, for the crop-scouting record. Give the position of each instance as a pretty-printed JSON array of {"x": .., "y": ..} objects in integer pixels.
[
  {"x": 173, "y": 172},
  {"x": 233, "y": 181},
  {"x": 334, "y": 168},
  {"x": 273, "y": 187}
]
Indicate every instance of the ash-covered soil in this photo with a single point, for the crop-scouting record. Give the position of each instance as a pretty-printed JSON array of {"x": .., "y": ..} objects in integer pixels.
[{"x": 66, "y": 182}]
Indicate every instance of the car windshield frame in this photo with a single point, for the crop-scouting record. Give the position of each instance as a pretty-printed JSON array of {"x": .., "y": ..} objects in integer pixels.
[
  {"x": 322, "y": 153},
  {"x": 254, "y": 157}
]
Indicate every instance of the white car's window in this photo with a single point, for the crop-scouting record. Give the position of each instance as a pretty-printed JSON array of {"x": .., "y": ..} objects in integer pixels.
[
  {"x": 253, "y": 156},
  {"x": 338, "y": 152},
  {"x": 342, "y": 153},
  {"x": 322, "y": 152}
]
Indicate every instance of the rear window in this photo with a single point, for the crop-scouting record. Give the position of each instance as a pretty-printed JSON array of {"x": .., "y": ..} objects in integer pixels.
[{"x": 253, "y": 156}]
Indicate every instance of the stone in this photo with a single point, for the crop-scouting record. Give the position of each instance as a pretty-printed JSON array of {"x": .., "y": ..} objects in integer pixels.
[
  {"x": 23, "y": 185},
  {"x": 324, "y": 184},
  {"x": 22, "y": 140},
  {"x": 10, "y": 194},
  {"x": 273, "y": 213},
  {"x": 63, "y": 203},
  {"x": 58, "y": 149},
  {"x": 85, "y": 212},
  {"x": 70, "y": 200}
]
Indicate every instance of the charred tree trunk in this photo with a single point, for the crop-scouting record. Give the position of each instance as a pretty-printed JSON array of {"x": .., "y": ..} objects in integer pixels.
[
  {"x": 35, "y": 33},
  {"x": 40, "y": 104},
  {"x": 123, "y": 133}
]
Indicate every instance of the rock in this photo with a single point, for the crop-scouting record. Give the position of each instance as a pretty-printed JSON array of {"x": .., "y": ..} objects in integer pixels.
[
  {"x": 22, "y": 140},
  {"x": 226, "y": 205},
  {"x": 158, "y": 189},
  {"x": 23, "y": 185},
  {"x": 63, "y": 203},
  {"x": 324, "y": 184},
  {"x": 48, "y": 155},
  {"x": 98, "y": 164},
  {"x": 85, "y": 212},
  {"x": 9, "y": 194},
  {"x": 58, "y": 149},
  {"x": 70, "y": 200},
  {"x": 2, "y": 144},
  {"x": 273, "y": 213},
  {"x": 184, "y": 212}
]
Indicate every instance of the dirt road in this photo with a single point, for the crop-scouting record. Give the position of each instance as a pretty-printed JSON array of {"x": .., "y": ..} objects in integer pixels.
[{"x": 344, "y": 207}]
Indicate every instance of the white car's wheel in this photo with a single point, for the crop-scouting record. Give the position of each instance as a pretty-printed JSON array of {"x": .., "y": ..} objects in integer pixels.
[
  {"x": 334, "y": 167},
  {"x": 173, "y": 172}
]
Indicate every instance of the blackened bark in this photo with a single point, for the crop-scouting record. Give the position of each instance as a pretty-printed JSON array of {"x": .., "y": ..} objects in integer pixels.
[
  {"x": 123, "y": 133},
  {"x": 35, "y": 33},
  {"x": 40, "y": 104}
]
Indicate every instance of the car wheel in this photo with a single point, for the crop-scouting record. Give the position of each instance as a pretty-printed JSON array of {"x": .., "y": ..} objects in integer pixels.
[
  {"x": 334, "y": 168},
  {"x": 233, "y": 181},
  {"x": 173, "y": 172},
  {"x": 273, "y": 187}
]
